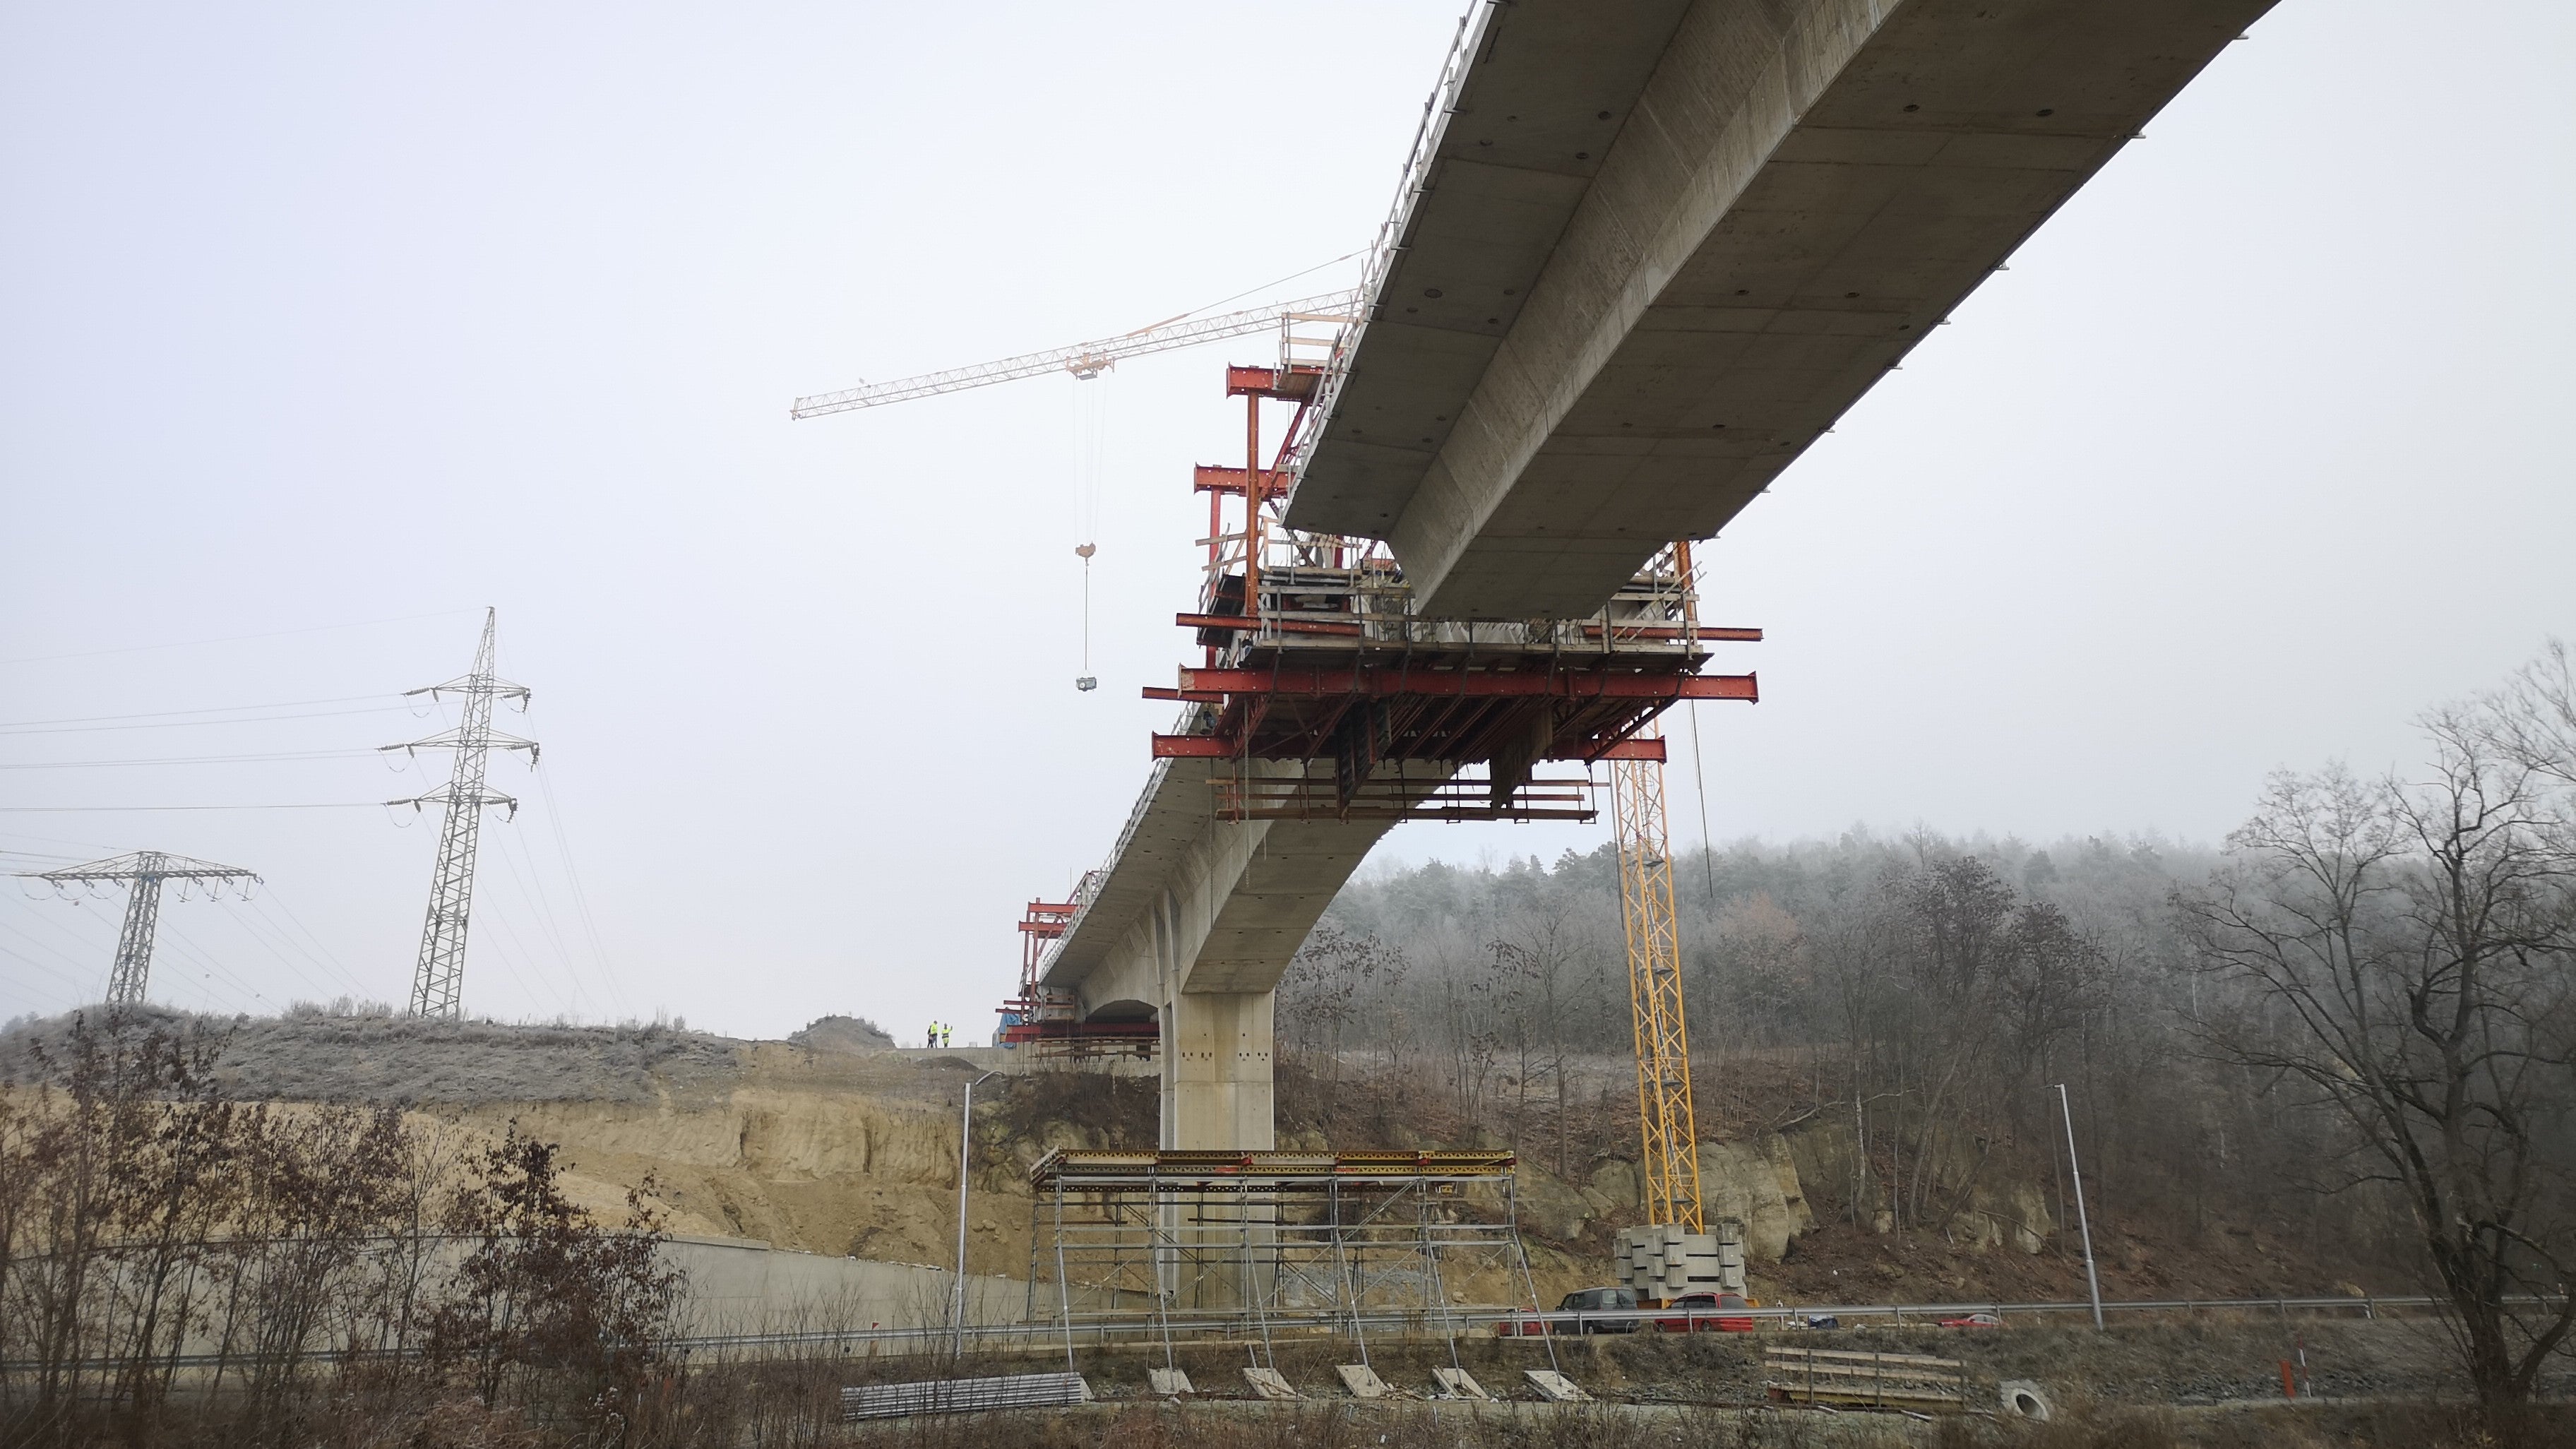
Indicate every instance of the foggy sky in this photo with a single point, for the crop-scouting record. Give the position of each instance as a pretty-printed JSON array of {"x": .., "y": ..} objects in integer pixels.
[{"x": 334, "y": 324}]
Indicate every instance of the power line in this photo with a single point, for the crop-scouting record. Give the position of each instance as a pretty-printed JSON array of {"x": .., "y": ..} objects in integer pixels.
[
  {"x": 208, "y": 968},
  {"x": 233, "y": 639},
  {"x": 257, "y": 935},
  {"x": 188, "y": 760},
  {"x": 261, "y": 903},
  {"x": 210, "y": 709},
  {"x": 580, "y": 897},
  {"x": 523, "y": 869},
  {"x": 271, "y": 935},
  {"x": 87, "y": 846},
  {"x": 198, "y": 723},
  {"x": 65, "y": 1002},
  {"x": 102, "y": 809}
]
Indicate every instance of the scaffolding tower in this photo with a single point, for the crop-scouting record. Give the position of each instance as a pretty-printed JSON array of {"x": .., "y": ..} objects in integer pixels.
[{"x": 1247, "y": 1245}]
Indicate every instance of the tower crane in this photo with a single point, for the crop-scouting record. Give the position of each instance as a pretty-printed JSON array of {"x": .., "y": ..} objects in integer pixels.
[
  {"x": 1675, "y": 1253},
  {"x": 1088, "y": 360}
]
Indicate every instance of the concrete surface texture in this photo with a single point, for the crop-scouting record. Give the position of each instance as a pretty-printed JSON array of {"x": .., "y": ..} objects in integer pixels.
[
  {"x": 741, "y": 1285},
  {"x": 1663, "y": 246},
  {"x": 1192, "y": 924}
]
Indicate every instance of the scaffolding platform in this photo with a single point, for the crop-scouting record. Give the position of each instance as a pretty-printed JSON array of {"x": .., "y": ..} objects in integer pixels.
[
  {"x": 1249, "y": 1245},
  {"x": 1315, "y": 658}
]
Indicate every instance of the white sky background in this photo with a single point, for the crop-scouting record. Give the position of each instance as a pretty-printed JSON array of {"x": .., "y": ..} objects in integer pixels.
[{"x": 313, "y": 318}]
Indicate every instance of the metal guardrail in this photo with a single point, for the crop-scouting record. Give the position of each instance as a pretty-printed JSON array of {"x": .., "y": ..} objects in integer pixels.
[{"x": 1103, "y": 1329}]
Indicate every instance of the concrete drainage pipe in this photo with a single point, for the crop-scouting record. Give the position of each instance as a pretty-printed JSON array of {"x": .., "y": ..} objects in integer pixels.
[{"x": 2023, "y": 1399}]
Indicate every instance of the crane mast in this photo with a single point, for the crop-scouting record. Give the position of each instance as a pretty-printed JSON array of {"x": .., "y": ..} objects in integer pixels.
[{"x": 1670, "y": 1156}]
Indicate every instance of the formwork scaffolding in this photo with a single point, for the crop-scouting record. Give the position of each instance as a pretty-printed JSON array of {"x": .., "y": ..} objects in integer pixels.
[
  {"x": 1254, "y": 1245},
  {"x": 1048, "y": 1023},
  {"x": 1322, "y": 694}
]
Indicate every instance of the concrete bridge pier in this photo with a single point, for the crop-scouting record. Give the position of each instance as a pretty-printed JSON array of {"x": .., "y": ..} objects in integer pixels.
[
  {"x": 1194, "y": 925},
  {"x": 1216, "y": 1070}
]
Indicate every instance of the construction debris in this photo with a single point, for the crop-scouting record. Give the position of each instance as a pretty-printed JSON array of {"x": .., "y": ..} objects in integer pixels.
[{"x": 1865, "y": 1380}]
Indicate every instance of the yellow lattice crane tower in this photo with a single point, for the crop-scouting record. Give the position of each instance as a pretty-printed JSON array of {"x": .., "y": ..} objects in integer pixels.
[
  {"x": 1674, "y": 1253},
  {"x": 1671, "y": 1158}
]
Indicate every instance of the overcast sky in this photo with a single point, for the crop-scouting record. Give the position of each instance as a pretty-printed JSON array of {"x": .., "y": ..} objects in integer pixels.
[{"x": 323, "y": 327}]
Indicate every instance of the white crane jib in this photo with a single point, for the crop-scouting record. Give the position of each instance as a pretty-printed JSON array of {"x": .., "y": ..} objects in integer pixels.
[{"x": 1089, "y": 359}]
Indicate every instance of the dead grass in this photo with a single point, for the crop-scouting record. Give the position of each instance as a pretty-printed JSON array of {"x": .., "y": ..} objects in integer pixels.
[{"x": 319, "y": 1056}]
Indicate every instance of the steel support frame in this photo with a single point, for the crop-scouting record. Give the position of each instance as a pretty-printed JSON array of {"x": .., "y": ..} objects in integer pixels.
[{"x": 1160, "y": 1242}]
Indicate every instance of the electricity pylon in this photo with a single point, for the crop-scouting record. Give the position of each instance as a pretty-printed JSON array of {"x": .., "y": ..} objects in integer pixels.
[
  {"x": 143, "y": 871},
  {"x": 437, "y": 981}
]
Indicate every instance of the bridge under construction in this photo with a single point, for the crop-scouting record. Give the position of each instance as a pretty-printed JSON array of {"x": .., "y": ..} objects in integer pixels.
[{"x": 1641, "y": 258}]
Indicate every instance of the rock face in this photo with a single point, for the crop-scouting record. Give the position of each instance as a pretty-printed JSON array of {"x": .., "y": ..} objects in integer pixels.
[
  {"x": 1999, "y": 1212},
  {"x": 1753, "y": 1182}
]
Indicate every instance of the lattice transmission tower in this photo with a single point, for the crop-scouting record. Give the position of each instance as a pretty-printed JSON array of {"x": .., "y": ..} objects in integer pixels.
[
  {"x": 143, "y": 873},
  {"x": 437, "y": 982}
]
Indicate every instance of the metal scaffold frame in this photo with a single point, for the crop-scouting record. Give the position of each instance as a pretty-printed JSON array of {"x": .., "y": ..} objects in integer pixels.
[{"x": 1247, "y": 1245}]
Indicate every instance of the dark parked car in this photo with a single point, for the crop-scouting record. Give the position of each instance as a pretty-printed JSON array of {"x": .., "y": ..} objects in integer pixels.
[{"x": 1586, "y": 1300}]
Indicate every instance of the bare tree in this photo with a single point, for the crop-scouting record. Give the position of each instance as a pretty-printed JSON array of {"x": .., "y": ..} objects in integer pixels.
[{"x": 2401, "y": 957}]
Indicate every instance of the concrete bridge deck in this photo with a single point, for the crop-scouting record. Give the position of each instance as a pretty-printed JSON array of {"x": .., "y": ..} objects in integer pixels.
[
  {"x": 1651, "y": 251},
  {"x": 1645, "y": 254}
]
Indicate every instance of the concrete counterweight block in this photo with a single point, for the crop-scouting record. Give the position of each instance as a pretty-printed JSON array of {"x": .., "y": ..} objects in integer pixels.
[
  {"x": 1361, "y": 1380},
  {"x": 1555, "y": 1387},
  {"x": 1169, "y": 1383},
  {"x": 1457, "y": 1383},
  {"x": 1267, "y": 1384}
]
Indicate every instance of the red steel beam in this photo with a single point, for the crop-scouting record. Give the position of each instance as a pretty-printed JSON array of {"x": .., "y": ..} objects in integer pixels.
[
  {"x": 1218, "y": 478},
  {"x": 1292, "y": 384},
  {"x": 1241, "y": 623},
  {"x": 1218, "y": 747},
  {"x": 1651, "y": 749},
  {"x": 1390, "y": 683},
  {"x": 1193, "y": 747}
]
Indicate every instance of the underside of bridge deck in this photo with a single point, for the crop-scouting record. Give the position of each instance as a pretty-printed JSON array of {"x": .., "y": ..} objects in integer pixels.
[{"x": 1656, "y": 249}]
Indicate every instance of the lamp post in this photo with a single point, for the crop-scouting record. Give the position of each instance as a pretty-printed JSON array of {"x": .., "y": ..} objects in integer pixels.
[
  {"x": 2092, "y": 1279},
  {"x": 965, "y": 1136}
]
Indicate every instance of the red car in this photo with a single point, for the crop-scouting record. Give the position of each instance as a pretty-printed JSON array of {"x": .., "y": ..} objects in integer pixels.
[
  {"x": 1975, "y": 1320},
  {"x": 1706, "y": 1313}
]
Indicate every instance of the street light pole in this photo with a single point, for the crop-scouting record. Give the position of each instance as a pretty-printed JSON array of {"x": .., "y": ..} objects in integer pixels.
[
  {"x": 2092, "y": 1279},
  {"x": 965, "y": 1135}
]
